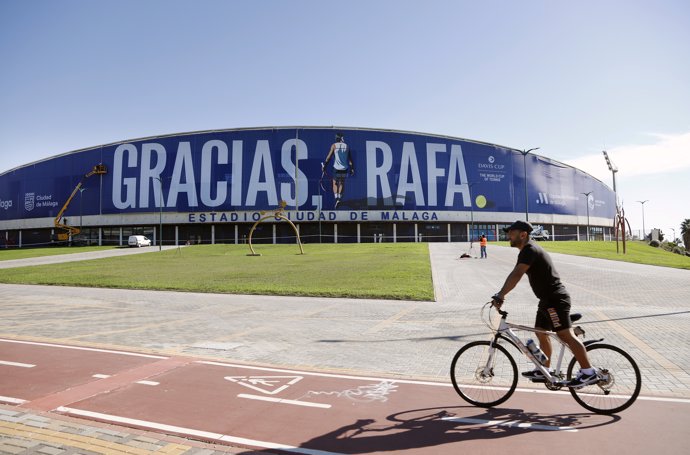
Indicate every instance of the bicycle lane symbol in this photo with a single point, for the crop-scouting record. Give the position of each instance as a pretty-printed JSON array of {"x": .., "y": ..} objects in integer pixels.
[
  {"x": 369, "y": 393},
  {"x": 269, "y": 385}
]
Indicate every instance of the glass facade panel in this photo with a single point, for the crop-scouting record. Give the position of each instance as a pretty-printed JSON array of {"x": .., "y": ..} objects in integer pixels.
[
  {"x": 458, "y": 232},
  {"x": 489, "y": 230},
  {"x": 347, "y": 233},
  {"x": 405, "y": 232},
  {"x": 433, "y": 232},
  {"x": 567, "y": 232},
  {"x": 316, "y": 232},
  {"x": 376, "y": 232}
]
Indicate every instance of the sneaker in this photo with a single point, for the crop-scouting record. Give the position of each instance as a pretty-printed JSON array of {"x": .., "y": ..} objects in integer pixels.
[
  {"x": 582, "y": 380},
  {"x": 536, "y": 375},
  {"x": 337, "y": 203}
]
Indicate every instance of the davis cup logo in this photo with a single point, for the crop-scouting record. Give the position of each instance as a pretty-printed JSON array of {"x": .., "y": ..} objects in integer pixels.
[{"x": 29, "y": 201}]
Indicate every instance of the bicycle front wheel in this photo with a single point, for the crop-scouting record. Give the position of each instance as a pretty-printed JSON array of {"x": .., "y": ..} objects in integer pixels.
[
  {"x": 483, "y": 373},
  {"x": 620, "y": 380}
]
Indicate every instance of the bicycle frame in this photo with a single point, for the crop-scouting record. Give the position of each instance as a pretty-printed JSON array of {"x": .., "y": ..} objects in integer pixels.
[{"x": 505, "y": 331}]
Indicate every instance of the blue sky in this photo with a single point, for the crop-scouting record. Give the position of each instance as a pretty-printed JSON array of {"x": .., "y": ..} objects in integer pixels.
[{"x": 573, "y": 78}]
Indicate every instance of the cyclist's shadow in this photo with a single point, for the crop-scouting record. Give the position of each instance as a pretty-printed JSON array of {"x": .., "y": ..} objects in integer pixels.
[{"x": 431, "y": 427}]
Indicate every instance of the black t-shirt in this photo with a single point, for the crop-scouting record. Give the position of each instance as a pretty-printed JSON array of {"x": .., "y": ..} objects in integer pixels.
[{"x": 543, "y": 277}]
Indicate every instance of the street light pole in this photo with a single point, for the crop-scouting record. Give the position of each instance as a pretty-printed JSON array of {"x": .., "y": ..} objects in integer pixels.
[
  {"x": 644, "y": 235},
  {"x": 524, "y": 164},
  {"x": 613, "y": 169},
  {"x": 587, "y": 204},
  {"x": 674, "y": 234},
  {"x": 160, "y": 218},
  {"x": 469, "y": 186}
]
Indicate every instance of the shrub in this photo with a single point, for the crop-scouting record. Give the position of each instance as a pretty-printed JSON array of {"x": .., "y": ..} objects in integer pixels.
[
  {"x": 655, "y": 243},
  {"x": 678, "y": 250}
]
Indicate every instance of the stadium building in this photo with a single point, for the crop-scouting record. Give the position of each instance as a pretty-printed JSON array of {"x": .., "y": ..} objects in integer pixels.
[{"x": 212, "y": 187}]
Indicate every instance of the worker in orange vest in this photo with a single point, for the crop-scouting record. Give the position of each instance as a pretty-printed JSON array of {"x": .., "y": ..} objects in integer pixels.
[{"x": 482, "y": 245}]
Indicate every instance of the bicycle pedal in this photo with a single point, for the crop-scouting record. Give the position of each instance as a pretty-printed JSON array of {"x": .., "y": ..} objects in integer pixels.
[{"x": 538, "y": 380}]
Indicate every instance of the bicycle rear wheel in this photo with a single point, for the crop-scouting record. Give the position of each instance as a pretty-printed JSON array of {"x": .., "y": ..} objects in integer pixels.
[
  {"x": 620, "y": 384},
  {"x": 483, "y": 375}
]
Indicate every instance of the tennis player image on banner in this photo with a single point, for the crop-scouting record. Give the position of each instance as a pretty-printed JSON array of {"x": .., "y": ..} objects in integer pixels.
[{"x": 342, "y": 166}]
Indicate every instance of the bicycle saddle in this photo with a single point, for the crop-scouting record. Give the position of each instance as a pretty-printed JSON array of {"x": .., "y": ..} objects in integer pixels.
[{"x": 575, "y": 317}]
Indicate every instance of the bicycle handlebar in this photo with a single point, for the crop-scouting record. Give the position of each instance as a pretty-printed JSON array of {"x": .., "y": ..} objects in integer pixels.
[
  {"x": 504, "y": 314},
  {"x": 499, "y": 310}
]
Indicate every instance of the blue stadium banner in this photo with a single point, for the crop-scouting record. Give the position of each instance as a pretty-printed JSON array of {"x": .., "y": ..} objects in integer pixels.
[{"x": 391, "y": 173}]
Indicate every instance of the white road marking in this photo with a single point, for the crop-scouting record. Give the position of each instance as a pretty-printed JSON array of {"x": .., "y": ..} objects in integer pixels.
[
  {"x": 16, "y": 364},
  {"x": 192, "y": 432},
  {"x": 510, "y": 423},
  {"x": 280, "y": 400},
  {"x": 668, "y": 400},
  {"x": 148, "y": 383},
  {"x": 101, "y": 376},
  {"x": 324, "y": 375},
  {"x": 567, "y": 394},
  {"x": 12, "y": 400},
  {"x": 410, "y": 381},
  {"x": 107, "y": 351}
]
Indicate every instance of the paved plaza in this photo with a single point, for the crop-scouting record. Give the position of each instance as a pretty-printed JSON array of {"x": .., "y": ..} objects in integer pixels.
[{"x": 643, "y": 309}]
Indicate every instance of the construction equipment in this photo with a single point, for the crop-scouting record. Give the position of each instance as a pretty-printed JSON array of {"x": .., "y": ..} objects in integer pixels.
[{"x": 71, "y": 231}]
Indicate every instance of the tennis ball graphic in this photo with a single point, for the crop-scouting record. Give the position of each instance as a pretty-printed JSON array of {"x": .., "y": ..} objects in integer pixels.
[{"x": 480, "y": 201}]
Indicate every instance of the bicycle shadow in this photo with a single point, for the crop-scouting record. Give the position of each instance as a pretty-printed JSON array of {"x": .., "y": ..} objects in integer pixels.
[{"x": 431, "y": 427}]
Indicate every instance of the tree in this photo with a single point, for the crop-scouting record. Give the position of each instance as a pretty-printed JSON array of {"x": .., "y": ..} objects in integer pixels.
[{"x": 685, "y": 233}]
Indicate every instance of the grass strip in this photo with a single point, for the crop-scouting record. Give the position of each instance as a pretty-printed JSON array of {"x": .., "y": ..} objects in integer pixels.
[
  {"x": 636, "y": 252},
  {"x": 382, "y": 271},
  {"x": 7, "y": 254}
]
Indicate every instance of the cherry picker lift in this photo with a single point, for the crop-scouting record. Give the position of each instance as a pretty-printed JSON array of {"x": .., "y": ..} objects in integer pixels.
[{"x": 70, "y": 231}]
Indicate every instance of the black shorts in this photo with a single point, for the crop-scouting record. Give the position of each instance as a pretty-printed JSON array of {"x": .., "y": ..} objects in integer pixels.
[
  {"x": 339, "y": 176},
  {"x": 554, "y": 313}
]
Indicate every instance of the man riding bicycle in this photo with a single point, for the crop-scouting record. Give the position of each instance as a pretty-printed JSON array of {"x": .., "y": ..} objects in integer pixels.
[{"x": 553, "y": 312}]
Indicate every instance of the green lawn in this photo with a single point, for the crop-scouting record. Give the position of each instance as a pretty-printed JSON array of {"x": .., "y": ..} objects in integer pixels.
[
  {"x": 636, "y": 251},
  {"x": 23, "y": 253},
  {"x": 387, "y": 271}
]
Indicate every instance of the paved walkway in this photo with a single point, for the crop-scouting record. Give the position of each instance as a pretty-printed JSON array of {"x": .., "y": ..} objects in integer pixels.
[
  {"x": 50, "y": 434},
  {"x": 74, "y": 257},
  {"x": 643, "y": 309}
]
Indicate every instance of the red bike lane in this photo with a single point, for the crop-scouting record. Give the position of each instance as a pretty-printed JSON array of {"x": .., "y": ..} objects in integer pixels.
[{"x": 317, "y": 413}]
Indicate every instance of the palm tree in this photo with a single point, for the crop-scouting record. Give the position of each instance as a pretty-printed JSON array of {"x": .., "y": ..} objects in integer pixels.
[{"x": 685, "y": 232}]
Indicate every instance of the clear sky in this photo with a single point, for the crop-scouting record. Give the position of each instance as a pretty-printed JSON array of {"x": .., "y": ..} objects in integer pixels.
[{"x": 573, "y": 78}]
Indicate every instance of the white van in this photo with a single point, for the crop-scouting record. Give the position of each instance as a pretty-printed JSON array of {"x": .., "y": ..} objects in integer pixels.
[{"x": 138, "y": 241}]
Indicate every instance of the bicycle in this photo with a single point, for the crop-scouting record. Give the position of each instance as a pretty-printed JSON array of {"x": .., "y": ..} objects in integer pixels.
[{"x": 485, "y": 374}]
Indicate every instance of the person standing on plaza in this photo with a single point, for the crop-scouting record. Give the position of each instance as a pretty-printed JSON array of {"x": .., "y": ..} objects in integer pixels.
[
  {"x": 482, "y": 246},
  {"x": 553, "y": 312}
]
